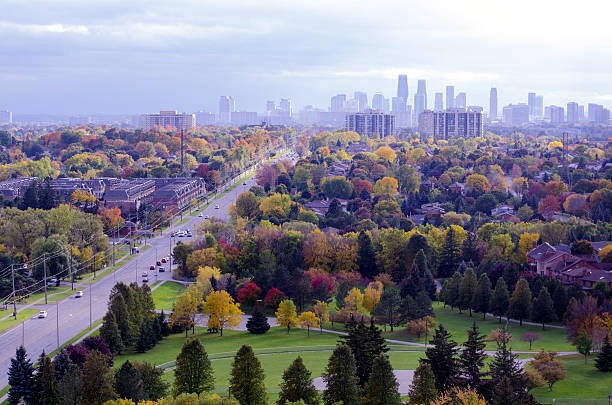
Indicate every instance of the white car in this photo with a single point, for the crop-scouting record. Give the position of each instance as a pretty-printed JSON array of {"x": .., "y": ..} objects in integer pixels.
[
  {"x": 200, "y": 215},
  {"x": 216, "y": 207},
  {"x": 78, "y": 294},
  {"x": 42, "y": 314}
]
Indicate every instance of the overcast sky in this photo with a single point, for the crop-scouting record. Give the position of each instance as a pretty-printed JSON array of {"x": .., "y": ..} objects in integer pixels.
[{"x": 133, "y": 56}]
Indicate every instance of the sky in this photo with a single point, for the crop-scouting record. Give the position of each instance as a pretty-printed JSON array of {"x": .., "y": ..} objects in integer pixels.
[{"x": 135, "y": 56}]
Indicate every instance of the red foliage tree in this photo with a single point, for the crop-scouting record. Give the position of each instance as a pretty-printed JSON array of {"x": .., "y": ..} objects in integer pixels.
[
  {"x": 274, "y": 297},
  {"x": 249, "y": 294},
  {"x": 202, "y": 170},
  {"x": 548, "y": 206}
]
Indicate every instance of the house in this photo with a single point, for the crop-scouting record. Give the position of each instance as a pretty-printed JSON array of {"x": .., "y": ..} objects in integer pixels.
[
  {"x": 503, "y": 211},
  {"x": 357, "y": 147},
  {"x": 457, "y": 188},
  {"x": 432, "y": 210},
  {"x": 338, "y": 168},
  {"x": 12, "y": 188},
  {"x": 593, "y": 166},
  {"x": 129, "y": 195},
  {"x": 586, "y": 277},
  {"x": 320, "y": 207},
  {"x": 177, "y": 192},
  {"x": 548, "y": 261}
]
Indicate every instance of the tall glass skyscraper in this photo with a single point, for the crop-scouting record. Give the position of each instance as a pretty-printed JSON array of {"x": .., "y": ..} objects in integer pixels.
[
  {"x": 450, "y": 97},
  {"x": 402, "y": 86},
  {"x": 493, "y": 104}
]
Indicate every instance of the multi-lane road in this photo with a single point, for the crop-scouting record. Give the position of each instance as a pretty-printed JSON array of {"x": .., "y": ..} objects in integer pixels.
[{"x": 70, "y": 316}]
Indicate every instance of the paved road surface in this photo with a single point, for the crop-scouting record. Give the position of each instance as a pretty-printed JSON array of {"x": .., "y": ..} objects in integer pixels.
[{"x": 74, "y": 313}]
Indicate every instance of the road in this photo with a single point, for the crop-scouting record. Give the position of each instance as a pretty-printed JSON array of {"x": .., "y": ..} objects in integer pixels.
[{"x": 75, "y": 314}]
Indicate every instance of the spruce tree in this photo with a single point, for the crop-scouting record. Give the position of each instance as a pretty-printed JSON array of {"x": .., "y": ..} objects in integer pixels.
[
  {"x": 467, "y": 290},
  {"x": 257, "y": 323},
  {"x": 98, "y": 379},
  {"x": 71, "y": 385},
  {"x": 505, "y": 365},
  {"x": 366, "y": 344},
  {"x": 146, "y": 337},
  {"x": 109, "y": 331},
  {"x": 46, "y": 382},
  {"x": 543, "y": 309},
  {"x": 128, "y": 383},
  {"x": 165, "y": 330},
  {"x": 366, "y": 257},
  {"x": 422, "y": 278},
  {"x": 442, "y": 358},
  {"x": 520, "y": 302},
  {"x": 247, "y": 378},
  {"x": 603, "y": 362},
  {"x": 126, "y": 328},
  {"x": 61, "y": 364},
  {"x": 482, "y": 296},
  {"x": 297, "y": 385},
  {"x": 193, "y": 372},
  {"x": 560, "y": 301},
  {"x": 342, "y": 383},
  {"x": 152, "y": 383},
  {"x": 21, "y": 379},
  {"x": 500, "y": 299},
  {"x": 471, "y": 360},
  {"x": 451, "y": 296},
  {"x": 451, "y": 253},
  {"x": 382, "y": 386},
  {"x": 423, "y": 389}
]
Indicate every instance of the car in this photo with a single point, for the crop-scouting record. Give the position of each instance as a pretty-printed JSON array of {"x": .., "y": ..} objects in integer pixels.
[
  {"x": 244, "y": 184},
  {"x": 78, "y": 294},
  {"x": 145, "y": 274},
  {"x": 42, "y": 314},
  {"x": 158, "y": 263},
  {"x": 189, "y": 234},
  {"x": 206, "y": 217},
  {"x": 145, "y": 280},
  {"x": 163, "y": 260},
  {"x": 217, "y": 206},
  {"x": 151, "y": 267},
  {"x": 161, "y": 269},
  {"x": 200, "y": 215}
]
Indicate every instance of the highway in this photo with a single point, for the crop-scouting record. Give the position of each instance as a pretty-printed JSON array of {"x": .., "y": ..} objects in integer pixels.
[{"x": 75, "y": 314}]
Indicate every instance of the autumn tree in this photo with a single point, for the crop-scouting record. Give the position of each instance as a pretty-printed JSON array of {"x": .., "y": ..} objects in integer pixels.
[
  {"x": 386, "y": 186},
  {"x": 185, "y": 310},
  {"x": 308, "y": 320},
  {"x": 247, "y": 204},
  {"x": 222, "y": 311},
  {"x": 286, "y": 315},
  {"x": 548, "y": 206},
  {"x": 386, "y": 153},
  {"x": 530, "y": 337},
  {"x": 321, "y": 310},
  {"x": 525, "y": 244},
  {"x": 549, "y": 367},
  {"x": 478, "y": 182},
  {"x": 372, "y": 295}
]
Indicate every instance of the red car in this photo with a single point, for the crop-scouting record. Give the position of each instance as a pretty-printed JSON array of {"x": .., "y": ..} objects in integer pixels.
[
  {"x": 164, "y": 260},
  {"x": 159, "y": 263},
  {"x": 151, "y": 267}
]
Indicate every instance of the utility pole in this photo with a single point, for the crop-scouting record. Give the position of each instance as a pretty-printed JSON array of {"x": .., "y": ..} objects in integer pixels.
[
  {"x": 90, "y": 305},
  {"x": 170, "y": 238},
  {"x": 94, "y": 257},
  {"x": 71, "y": 275},
  {"x": 136, "y": 270},
  {"x": 115, "y": 241},
  {"x": 14, "y": 298},
  {"x": 182, "y": 156},
  {"x": 57, "y": 321},
  {"x": 45, "y": 275}
]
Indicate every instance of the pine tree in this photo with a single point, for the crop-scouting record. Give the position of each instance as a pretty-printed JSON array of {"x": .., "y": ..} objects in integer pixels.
[
  {"x": 420, "y": 278},
  {"x": 165, "y": 330},
  {"x": 21, "y": 379},
  {"x": 543, "y": 309},
  {"x": 560, "y": 301},
  {"x": 451, "y": 253},
  {"x": 423, "y": 389},
  {"x": 342, "y": 383},
  {"x": 366, "y": 344},
  {"x": 503, "y": 393},
  {"x": 467, "y": 290},
  {"x": 469, "y": 249},
  {"x": 193, "y": 372},
  {"x": 499, "y": 300},
  {"x": 71, "y": 385},
  {"x": 146, "y": 338},
  {"x": 382, "y": 386},
  {"x": 128, "y": 383},
  {"x": 366, "y": 257},
  {"x": 247, "y": 378},
  {"x": 471, "y": 360},
  {"x": 152, "y": 382},
  {"x": 109, "y": 331},
  {"x": 61, "y": 364},
  {"x": 297, "y": 385},
  {"x": 257, "y": 323},
  {"x": 98, "y": 379},
  {"x": 520, "y": 302},
  {"x": 482, "y": 296},
  {"x": 451, "y": 295},
  {"x": 126, "y": 328},
  {"x": 442, "y": 358},
  {"x": 505, "y": 365},
  {"x": 46, "y": 382},
  {"x": 603, "y": 362}
]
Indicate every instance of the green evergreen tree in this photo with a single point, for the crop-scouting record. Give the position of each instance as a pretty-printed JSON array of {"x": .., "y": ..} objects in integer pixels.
[
  {"x": 128, "y": 383},
  {"x": 520, "y": 302},
  {"x": 366, "y": 257},
  {"x": 98, "y": 379},
  {"x": 21, "y": 379},
  {"x": 46, "y": 382},
  {"x": 109, "y": 331},
  {"x": 193, "y": 372},
  {"x": 482, "y": 296},
  {"x": 297, "y": 385},
  {"x": 423, "y": 389},
  {"x": 247, "y": 378},
  {"x": 389, "y": 306},
  {"x": 471, "y": 361},
  {"x": 423, "y": 278},
  {"x": 61, "y": 364},
  {"x": 505, "y": 365},
  {"x": 451, "y": 295},
  {"x": 503, "y": 393},
  {"x": 603, "y": 362},
  {"x": 257, "y": 323},
  {"x": 165, "y": 330},
  {"x": 500, "y": 299},
  {"x": 382, "y": 386},
  {"x": 469, "y": 250},
  {"x": 342, "y": 383},
  {"x": 560, "y": 301},
  {"x": 146, "y": 337},
  {"x": 567, "y": 315},
  {"x": 450, "y": 255},
  {"x": 47, "y": 198},
  {"x": 71, "y": 385},
  {"x": 152, "y": 382},
  {"x": 126, "y": 328},
  {"x": 543, "y": 309},
  {"x": 442, "y": 358},
  {"x": 467, "y": 289},
  {"x": 366, "y": 344}
]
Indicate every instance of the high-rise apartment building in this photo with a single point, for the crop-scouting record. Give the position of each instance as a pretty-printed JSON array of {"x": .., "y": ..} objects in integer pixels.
[
  {"x": 398, "y": 105},
  {"x": 378, "y": 102},
  {"x": 531, "y": 103},
  {"x": 270, "y": 105},
  {"x": 450, "y": 97},
  {"x": 362, "y": 100},
  {"x": 557, "y": 114},
  {"x": 6, "y": 117},
  {"x": 285, "y": 106},
  {"x": 539, "y": 108},
  {"x": 493, "y": 104},
  {"x": 439, "y": 102},
  {"x": 453, "y": 123},
  {"x": 402, "y": 87},
  {"x": 573, "y": 112},
  {"x": 338, "y": 103},
  {"x": 371, "y": 123},
  {"x": 598, "y": 114},
  {"x": 461, "y": 100},
  {"x": 420, "y": 100},
  {"x": 227, "y": 106},
  {"x": 170, "y": 119},
  {"x": 422, "y": 89},
  {"x": 516, "y": 114},
  {"x": 204, "y": 118}
]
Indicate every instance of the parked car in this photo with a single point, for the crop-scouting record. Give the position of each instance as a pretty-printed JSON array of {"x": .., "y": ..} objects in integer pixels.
[
  {"x": 200, "y": 215},
  {"x": 42, "y": 314},
  {"x": 78, "y": 294},
  {"x": 206, "y": 217},
  {"x": 244, "y": 184}
]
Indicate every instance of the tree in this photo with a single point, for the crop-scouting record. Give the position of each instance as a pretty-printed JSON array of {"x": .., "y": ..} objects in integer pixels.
[
  {"x": 543, "y": 309},
  {"x": 477, "y": 182},
  {"x": 372, "y": 295},
  {"x": 257, "y": 323},
  {"x": 109, "y": 331},
  {"x": 506, "y": 366},
  {"x": 582, "y": 247},
  {"x": 340, "y": 378},
  {"x": 249, "y": 294},
  {"x": 354, "y": 299},
  {"x": 337, "y": 187},
  {"x": 386, "y": 153},
  {"x": 386, "y": 186},
  {"x": 382, "y": 386},
  {"x": 499, "y": 300},
  {"x": 321, "y": 310},
  {"x": 520, "y": 302},
  {"x": 467, "y": 289},
  {"x": 46, "y": 382},
  {"x": 548, "y": 206},
  {"x": 247, "y": 378},
  {"x": 530, "y": 337},
  {"x": 119, "y": 310},
  {"x": 603, "y": 362},
  {"x": 451, "y": 290},
  {"x": 297, "y": 385},
  {"x": 308, "y": 320},
  {"x": 286, "y": 316},
  {"x": 451, "y": 253},
  {"x": 222, "y": 311},
  {"x": 21, "y": 379},
  {"x": 185, "y": 310},
  {"x": 70, "y": 386},
  {"x": 421, "y": 326},
  {"x": 128, "y": 383},
  {"x": 152, "y": 382},
  {"x": 584, "y": 344},
  {"x": 389, "y": 305},
  {"x": 366, "y": 257},
  {"x": 366, "y": 344},
  {"x": 471, "y": 360},
  {"x": 549, "y": 367},
  {"x": 61, "y": 363},
  {"x": 525, "y": 244},
  {"x": 482, "y": 295},
  {"x": 423, "y": 388},
  {"x": 485, "y": 203},
  {"x": 193, "y": 372},
  {"x": 97, "y": 379},
  {"x": 247, "y": 204},
  {"x": 442, "y": 358}
]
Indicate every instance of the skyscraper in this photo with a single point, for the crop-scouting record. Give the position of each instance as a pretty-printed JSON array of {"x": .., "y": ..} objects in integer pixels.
[
  {"x": 338, "y": 102},
  {"x": 270, "y": 105},
  {"x": 493, "y": 104},
  {"x": 167, "y": 119},
  {"x": 539, "y": 109},
  {"x": 420, "y": 100},
  {"x": 402, "y": 86},
  {"x": 422, "y": 89},
  {"x": 439, "y": 102},
  {"x": 378, "y": 102},
  {"x": 398, "y": 105},
  {"x": 557, "y": 114},
  {"x": 362, "y": 100},
  {"x": 461, "y": 100},
  {"x": 6, "y": 117},
  {"x": 371, "y": 123},
  {"x": 227, "y": 106},
  {"x": 285, "y": 106},
  {"x": 450, "y": 97},
  {"x": 573, "y": 112},
  {"x": 531, "y": 102}
]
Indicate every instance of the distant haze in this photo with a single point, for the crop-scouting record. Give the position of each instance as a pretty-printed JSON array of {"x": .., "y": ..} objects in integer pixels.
[{"x": 128, "y": 56}]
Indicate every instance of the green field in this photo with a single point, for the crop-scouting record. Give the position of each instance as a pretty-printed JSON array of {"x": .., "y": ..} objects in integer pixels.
[
  {"x": 166, "y": 294},
  {"x": 21, "y": 316}
]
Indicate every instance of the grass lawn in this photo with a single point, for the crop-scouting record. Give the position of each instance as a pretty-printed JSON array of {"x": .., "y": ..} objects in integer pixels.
[
  {"x": 166, "y": 294},
  {"x": 582, "y": 381},
  {"x": 21, "y": 315}
]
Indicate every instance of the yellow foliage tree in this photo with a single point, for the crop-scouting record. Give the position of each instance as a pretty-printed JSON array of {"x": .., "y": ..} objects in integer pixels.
[
  {"x": 526, "y": 242},
  {"x": 478, "y": 182},
  {"x": 555, "y": 144},
  {"x": 321, "y": 309},
  {"x": 353, "y": 300},
  {"x": 386, "y": 186},
  {"x": 184, "y": 312},
  {"x": 222, "y": 311},
  {"x": 203, "y": 280},
  {"x": 308, "y": 320},
  {"x": 606, "y": 254},
  {"x": 286, "y": 315},
  {"x": 277, "y": 204},
  {"x": 371, "y": 298},
  {"x": 386, "y": 152},
  {"x": 460, "y": 396}
]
